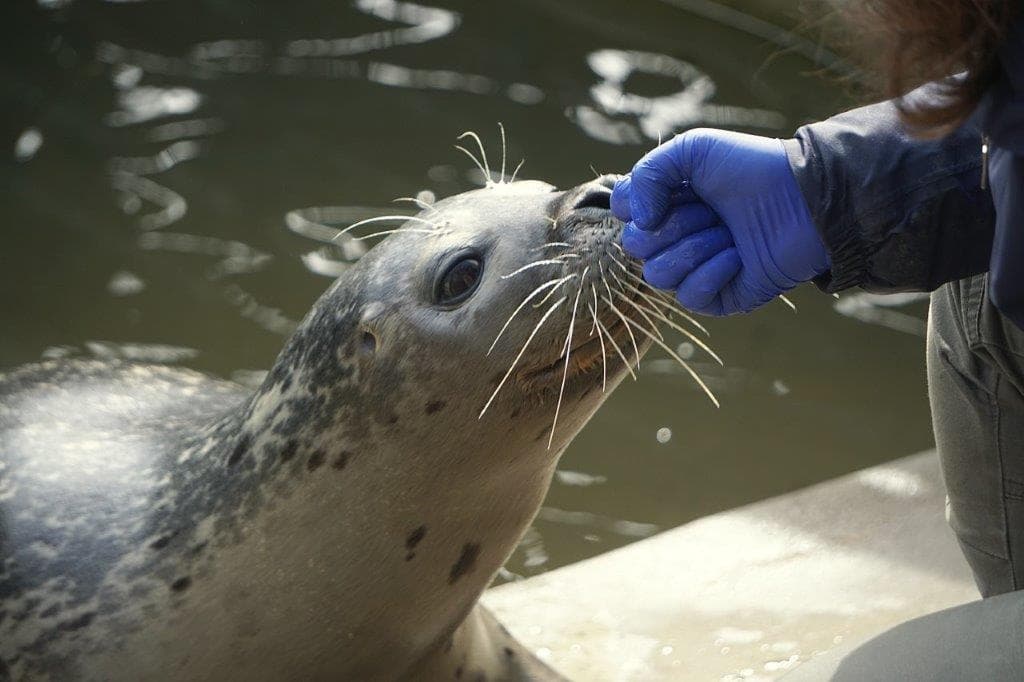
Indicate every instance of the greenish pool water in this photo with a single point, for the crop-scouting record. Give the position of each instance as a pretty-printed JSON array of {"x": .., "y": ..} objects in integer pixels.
[{"x": 160, "y": 158}]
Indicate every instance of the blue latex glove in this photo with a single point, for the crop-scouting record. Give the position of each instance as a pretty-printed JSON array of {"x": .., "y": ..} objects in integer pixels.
[{"x": 718, "y": 217}]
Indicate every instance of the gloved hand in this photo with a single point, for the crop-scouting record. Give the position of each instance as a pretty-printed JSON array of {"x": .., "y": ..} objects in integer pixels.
[{"x": 719, "y": 218}]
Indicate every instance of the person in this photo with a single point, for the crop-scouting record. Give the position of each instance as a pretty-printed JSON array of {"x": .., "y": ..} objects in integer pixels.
[{"x": 922, "y": 192}]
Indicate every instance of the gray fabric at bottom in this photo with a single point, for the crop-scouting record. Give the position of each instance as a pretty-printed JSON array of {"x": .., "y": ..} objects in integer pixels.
[
  {"x": 978, "y": 642},
  {"x": 976, "y": 387}
]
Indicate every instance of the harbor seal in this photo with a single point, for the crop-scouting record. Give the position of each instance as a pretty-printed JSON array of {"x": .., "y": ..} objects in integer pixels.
[{"x": 341, "y": 521}]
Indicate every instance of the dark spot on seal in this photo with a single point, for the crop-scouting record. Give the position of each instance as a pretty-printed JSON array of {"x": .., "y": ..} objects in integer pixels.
[
  {"x": 515, "y": 413},
  {"x": 316, "y": 460},
  {"x": 181, "y": 584},
  {"x": 289, "y": 450},
  {"x": 198, "y": 549},
  {"x": 392, "y": 418},
  {"x": 341, "y": 460},
  {"x": 27, "y": 609},
  {"x": 435, "y": 406},
  {"x": 480, "y": 677},
  {"x": 240, "y": 449},
  {"x": 466, "y": 561},
  {"x": 52, "y": 611},
  {"x": 458, "y": 673},
  {"x": 368, "y": 343},
  {"x": 509, "y": 653},
  {"x": 415, "y": 537},
  {"x": 78, "y": 623}
]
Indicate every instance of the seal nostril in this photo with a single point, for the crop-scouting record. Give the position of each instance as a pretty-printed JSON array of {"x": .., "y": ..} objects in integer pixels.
[{"x": 595, "y": 199}]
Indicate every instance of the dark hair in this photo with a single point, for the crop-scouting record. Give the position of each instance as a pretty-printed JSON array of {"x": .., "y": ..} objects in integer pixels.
[{"x": 912, "y": 42}]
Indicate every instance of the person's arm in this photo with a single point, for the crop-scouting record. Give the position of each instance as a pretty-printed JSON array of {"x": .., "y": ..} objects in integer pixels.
[
  {"x": 730, "y": 221},
  {"x": 895, "y": 213}
]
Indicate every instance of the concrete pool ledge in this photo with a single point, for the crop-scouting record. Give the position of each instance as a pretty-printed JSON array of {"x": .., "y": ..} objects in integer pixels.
[{"x": 749, "y": 594}]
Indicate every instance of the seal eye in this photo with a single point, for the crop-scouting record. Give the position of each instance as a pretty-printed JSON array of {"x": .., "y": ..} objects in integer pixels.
[{"x": 459, "y": 281}]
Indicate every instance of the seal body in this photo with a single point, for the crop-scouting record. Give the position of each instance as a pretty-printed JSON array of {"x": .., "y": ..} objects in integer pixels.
[{"x": 342, "y": 521}]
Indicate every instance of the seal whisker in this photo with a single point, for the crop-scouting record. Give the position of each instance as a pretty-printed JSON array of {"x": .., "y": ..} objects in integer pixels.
[
  {"x": 785, "y": 299},
  {"x": 553, "y": 283},
  {"x": 622, "y": 266},
  {"x": 568, "y": 355},
  {"x": 667, "y": 309},
  {"x": 703, "y": 346},
  {"x": 604, "y": 356},
  {"x": 516, "y": 171},
  {"x": 654, "y": 325},
  {"x": 476, "y": 161},
  {"x": 552, "y": 292},
  {"x": 395, "y": 231},
  {"x": 669, "y": 304},
  {"x": 665, "y": 316},
  {"x": 483, "y": 154},
  {"x": 611, "y": 340},
  {"x": 683, "y": 363},
  {"x": 419, "y": 202},
  {"x": 615, "y": 309},
  {"x": 565, "y": 245},
  {"x": 535, "y": 264},
  {"x": 547, "y": 314},
  {"x": 504, "y": 151},
  {"x": 384, "y": 218},
  {"x": 594, "y": 290}
]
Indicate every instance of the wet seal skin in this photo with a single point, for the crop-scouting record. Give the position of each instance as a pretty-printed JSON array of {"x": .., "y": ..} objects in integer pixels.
[{"x": 341, "y": 521}]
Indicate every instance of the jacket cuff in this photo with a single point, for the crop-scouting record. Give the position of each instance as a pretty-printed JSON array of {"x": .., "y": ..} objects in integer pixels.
[{"x": 846, "y": 249}]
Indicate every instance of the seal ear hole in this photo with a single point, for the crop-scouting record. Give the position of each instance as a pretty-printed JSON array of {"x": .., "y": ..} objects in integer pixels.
[{"x": 368, "y": 343}]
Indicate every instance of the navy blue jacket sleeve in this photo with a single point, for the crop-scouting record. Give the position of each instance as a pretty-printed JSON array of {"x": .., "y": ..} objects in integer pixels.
[{"x": 895, "y": 213}]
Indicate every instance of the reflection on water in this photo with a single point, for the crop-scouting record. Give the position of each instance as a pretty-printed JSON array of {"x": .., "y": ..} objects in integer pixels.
[
  {"x": 425, "y": 24},
  {"x": 170, "y": 206},
  {"x": 658, "y": 117},
  {"x": 882, "y": 310},
  {"x": 124, "y": 283},
  {"x": 27, "y": 144},
  {"x": 178, "y": 174},
  {"x": 146, "y": 103}
]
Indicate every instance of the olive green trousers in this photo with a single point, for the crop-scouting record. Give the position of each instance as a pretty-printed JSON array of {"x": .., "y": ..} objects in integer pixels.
[{"x": 976, "y": 388}]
